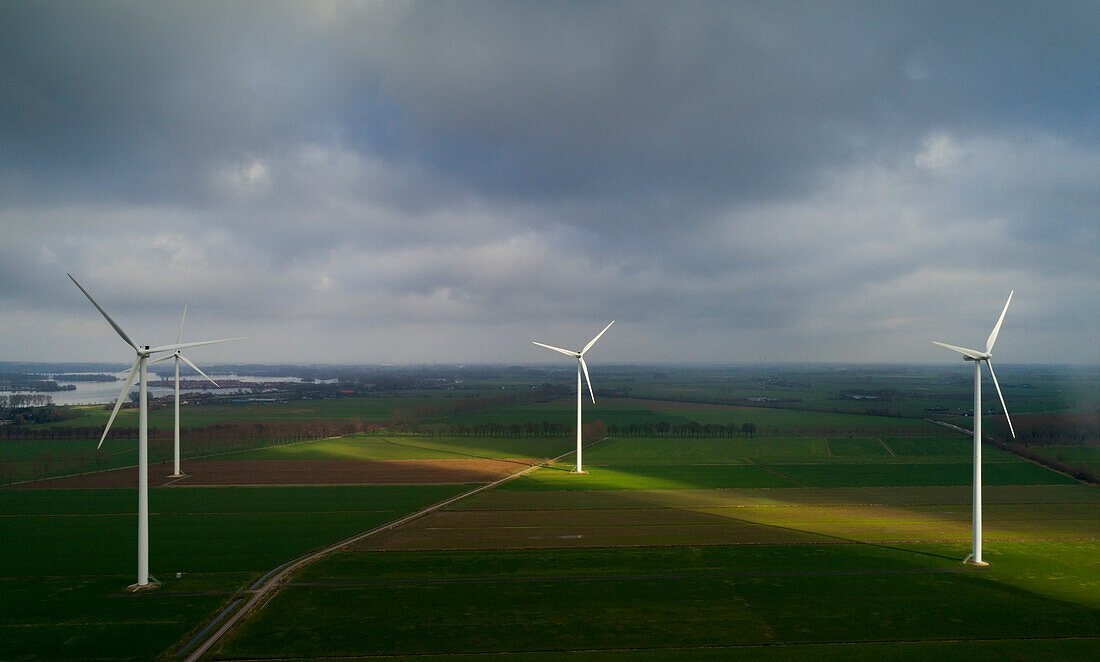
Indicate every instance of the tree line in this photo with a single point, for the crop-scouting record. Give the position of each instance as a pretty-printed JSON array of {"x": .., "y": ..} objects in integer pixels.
[
  {"x": 689, "y": 429},
  {"x": 201, "y": 440},
  {"x": 1055, "y": 429},
  {"x": 509, "y": 430},
  {"x": 23, "y": 401},
  {"x": 427, "y": 411}
]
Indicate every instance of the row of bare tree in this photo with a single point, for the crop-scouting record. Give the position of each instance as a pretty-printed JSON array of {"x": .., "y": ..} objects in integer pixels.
[
  {"x": 428, "y": 411},
  {"x": 201, "y": 440},
  {"x": 15, "y": 401}
]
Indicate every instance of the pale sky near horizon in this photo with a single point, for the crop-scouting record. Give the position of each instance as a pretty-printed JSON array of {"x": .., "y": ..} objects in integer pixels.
[{"x": 409, "y": 182}]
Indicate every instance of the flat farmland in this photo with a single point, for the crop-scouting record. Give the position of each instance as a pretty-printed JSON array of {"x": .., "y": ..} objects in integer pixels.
[
  {"x": 884, "y": 474},
  {"x": 610, "y": 411},
  {"x": 377, "y": 446},
  {"x": 773, "y": 421},
  {"x": 334, "y": 409},
  {"x": 734, "y": 450},
  {"x": 638, "y": 411},
  {"x": 833, "y": 536},
  {"x": 308, "y": 472},
  {"x": 616, "y": 477},
  {"x": 746, "y": 517},
  {"x": 772, "y": 547},
  {"x": 737, "y": 598},
  {"x": 63, "y": 583}
]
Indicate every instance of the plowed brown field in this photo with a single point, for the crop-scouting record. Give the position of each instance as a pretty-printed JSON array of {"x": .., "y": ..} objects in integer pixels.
[{"x": 305, "y": 472}]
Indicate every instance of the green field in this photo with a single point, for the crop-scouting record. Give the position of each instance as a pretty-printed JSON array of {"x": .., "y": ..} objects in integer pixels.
[
  {"x": 73, "y": 617},
  {"x": 404, "y": 447},
  {"x": 825, "y": 535},
  {"x": 215, "y": 529},
  {"x": 838, "y": 547},
  {"x": 670, "y": 597},
  {"x": 652, "y": 477},
  {"x": 334, "y": 409},
  {"x": 859, "y": 475},
  {"x": 68, "y": 555}
]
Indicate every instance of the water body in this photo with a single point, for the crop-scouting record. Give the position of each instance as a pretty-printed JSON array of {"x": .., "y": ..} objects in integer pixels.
[{"x": 95, "y": 393}]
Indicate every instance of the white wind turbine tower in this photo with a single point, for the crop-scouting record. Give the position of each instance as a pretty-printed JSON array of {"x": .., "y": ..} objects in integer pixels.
[
  {"x": 580, "y": 366},
  {"x": 977, "y": 357},
  {"x": 136, "y": 371},
  {"x": 176, "y": 473}
]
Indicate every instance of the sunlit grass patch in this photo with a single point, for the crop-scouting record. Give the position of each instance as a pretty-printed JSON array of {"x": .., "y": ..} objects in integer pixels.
[
  {"x": 647, "y": 477},
  {"x": 895, "y": 474}
]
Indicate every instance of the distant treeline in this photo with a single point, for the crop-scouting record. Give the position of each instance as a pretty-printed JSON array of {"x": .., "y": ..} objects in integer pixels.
[
  {"x": 38, "y": 385},
  {"x": 1037, "y": 431},
  {"x": 589, "y": 431},
  {"x": 689, "y": 429},
  {"x": 553, "y": 429},
  {"x": 83, "y": 377},
  {"x": 510, "y": 430},
  {"x": 420, "y": 413},
  {"x": 24, "y": 401},
  {"x": 1056, "y": 429},
  {"x": 1078, "y": 471},
  {"x": 205, "y": 439},
  {"x": 213, "y": 436}
]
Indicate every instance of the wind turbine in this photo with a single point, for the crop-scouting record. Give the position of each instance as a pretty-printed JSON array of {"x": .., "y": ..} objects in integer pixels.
[
  {"x": 176, "y": 473},
  {"x": 137, "y": 371},
  {"x": 977, "y": 357},
  {"x": 580, "y": 366}
]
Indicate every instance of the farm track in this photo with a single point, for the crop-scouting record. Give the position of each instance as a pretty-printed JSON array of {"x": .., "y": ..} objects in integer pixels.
[{"x": 267, "y": 586}]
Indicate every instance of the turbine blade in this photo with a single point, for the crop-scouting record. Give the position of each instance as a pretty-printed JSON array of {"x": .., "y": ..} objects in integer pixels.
[
  {"x": 114, "y": 325},
  {"x": 584, "y": 366},
  {"x": 1003, "y": 405},
  {"x": 161, "y": 359},
  {"x": 593, "y": 341},
  {"x": 997, "y": 329},
  {"x": 171, "y": 348},
  {"x": 558, "y": 349},
  {"x": 196, "y": 369},
  {"x": 179, "y": 336},
  {"x": 121, "y": 396},
  {"x": 972, "y": 353}
]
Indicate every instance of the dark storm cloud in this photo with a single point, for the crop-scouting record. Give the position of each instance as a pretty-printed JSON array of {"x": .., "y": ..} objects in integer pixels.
[{"x": 813, "y": 175}]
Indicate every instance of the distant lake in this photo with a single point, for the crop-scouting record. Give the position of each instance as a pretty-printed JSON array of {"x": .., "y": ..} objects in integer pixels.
[{"x": 95, "y": 393}]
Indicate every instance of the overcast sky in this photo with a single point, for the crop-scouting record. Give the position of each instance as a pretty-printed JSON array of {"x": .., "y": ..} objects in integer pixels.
[{"x": 415, "y": 182}]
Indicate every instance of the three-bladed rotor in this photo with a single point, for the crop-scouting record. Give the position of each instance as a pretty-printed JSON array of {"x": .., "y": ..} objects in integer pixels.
[
  {"x": 975, "y": 355},
  {"x": 580, "y": 356},
  {"x": 143, "y": 352},
  {"x": 180, "y": 357}
]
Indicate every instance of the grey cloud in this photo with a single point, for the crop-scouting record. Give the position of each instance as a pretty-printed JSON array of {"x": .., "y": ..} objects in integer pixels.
[{"x": 810, "y": 176}]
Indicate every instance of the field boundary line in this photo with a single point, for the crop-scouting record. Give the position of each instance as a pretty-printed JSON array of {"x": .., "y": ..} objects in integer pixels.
[
  {"x": 711, "y": 647},
  {"x": 587, "y": 578},
  {"x": 1011, "y": 452},
  {"x": 828, "y": 452},
  {"x": 276, "y": 577},
  {"x": 681, "y": 451},
  {"x": 886, "y": 447},
  {"x": 774, "y": 473}
]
